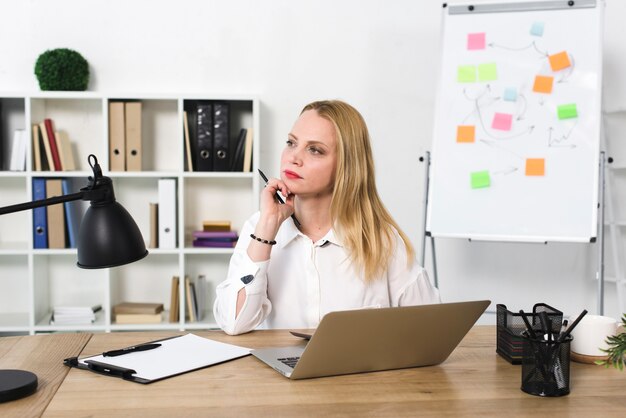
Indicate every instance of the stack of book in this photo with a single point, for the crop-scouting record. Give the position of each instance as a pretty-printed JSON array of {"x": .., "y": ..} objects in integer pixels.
[
  {"x": 74, "y": 315},
  {"x": 215, "y": 234},
  {"x": 138, "y": 313},
  {"x": 52, "y": 150}
]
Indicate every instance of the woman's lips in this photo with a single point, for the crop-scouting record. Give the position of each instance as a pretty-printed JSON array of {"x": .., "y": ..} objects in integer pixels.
[{"x": 291, "y": 175}]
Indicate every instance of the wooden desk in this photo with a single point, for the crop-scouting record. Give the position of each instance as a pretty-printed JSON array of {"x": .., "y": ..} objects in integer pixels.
[{"x": 473, "y": 381}]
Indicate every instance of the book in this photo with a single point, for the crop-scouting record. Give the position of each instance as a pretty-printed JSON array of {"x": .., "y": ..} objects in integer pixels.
[
  {"x": 138, "y": 318},
  {"x": 117, "y": 137},
  {"x": 190, "y": 300},
  {"x": 138, "y": 308},
  {"x": 237, "y": 160},
  {"x": 37, "y": 166},
  {"x": 188, "y": 158},
  {"x": 154, "y": 225},
  {"x": 174, "y": 300},
  {"x": 65, "y": 151},
  {"x": 74, "y": 315},
  {"x": 216, "y": 235},
  {"x": 213, "y": 244},
  {"x": 132, "y": 121},
  {"x": 56, "y": 159},
  {"x": 46, "y": 146},
  {"x": 247, "y": 156},
  {"x": 18, "y": 151},
  {"x": 40, "y": 224},
  {"x": 202, "y": 295},
  {"x": 55, "y": 215},
  {"x": 73, "y": 215},
  {"x": 216, "y": 225}
]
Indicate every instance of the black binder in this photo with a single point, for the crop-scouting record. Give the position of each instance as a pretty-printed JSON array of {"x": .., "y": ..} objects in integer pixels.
[
  {"x": 221, "y": 136},
  {"x": 237, "y": 156},
  {"x": 204, "y": 131},
  {"x": 174, "y": 356}
]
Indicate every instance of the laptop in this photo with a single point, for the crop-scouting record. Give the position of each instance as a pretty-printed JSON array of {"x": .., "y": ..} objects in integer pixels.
[{"x": 367, "y": 340}]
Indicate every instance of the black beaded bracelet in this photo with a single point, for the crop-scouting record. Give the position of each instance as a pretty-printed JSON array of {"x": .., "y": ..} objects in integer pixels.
[{"x": 264, "y": 241}]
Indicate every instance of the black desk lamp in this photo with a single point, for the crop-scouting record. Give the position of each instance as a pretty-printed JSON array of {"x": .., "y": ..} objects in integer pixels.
[{"x": 108, "y": 237}]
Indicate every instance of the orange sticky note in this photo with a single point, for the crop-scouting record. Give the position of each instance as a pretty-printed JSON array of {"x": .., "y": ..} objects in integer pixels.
[
  {"x": 465, "y": 133},
  {"x": 543, "y": 84},
  {"x": 559, "y": 61},
  {"x": 535, "y": 166}
]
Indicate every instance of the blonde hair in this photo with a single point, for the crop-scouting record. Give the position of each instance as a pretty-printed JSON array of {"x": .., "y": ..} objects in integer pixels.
[{"x": 360, "y": 218}]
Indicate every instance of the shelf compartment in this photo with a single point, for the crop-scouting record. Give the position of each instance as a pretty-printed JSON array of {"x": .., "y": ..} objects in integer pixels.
[
  {"x": 80, "y": 119},
  {"x": 12, "y": 117},
  {"x": 59, "y": 282},
  {"x": 16, "y": 227},
  {"x": 15, "y": 292}
]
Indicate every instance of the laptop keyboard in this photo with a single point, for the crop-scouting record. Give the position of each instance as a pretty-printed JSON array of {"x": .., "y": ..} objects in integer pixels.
[{"x": 289, "y": 361}]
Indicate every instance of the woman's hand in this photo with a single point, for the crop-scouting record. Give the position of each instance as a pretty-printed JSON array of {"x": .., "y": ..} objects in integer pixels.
[{"x": 274, "y": 213}]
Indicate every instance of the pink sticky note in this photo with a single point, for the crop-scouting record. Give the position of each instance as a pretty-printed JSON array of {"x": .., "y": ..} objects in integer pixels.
[
  {"x": 502, "y": 121},
  {"x": 476, "y": 41}
]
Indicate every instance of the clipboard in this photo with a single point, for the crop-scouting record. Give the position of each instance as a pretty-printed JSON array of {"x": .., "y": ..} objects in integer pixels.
[{"x": 175, "y": 356}]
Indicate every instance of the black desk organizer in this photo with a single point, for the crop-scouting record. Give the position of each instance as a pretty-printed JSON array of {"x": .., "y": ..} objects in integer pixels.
[{"x": 510, "y": 343}]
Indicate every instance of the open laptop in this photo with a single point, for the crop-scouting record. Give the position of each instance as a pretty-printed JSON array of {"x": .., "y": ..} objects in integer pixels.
[{"x": 368, "y": 340}]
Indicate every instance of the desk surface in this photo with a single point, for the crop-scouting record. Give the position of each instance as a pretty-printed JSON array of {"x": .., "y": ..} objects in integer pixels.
[{"x": 473, "y": 381}]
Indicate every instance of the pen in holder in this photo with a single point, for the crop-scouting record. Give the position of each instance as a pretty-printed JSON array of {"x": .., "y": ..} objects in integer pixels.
[{"x": 546, "y": 365}]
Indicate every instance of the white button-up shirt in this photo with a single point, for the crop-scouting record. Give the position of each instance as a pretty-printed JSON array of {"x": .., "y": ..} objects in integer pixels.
[{"x": 304, "y": 280}]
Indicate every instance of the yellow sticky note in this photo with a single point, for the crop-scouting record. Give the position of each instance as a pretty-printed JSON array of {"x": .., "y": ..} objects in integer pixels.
[
  {"x": 535, "y": 166},
  {"x": 543, "y": 84},
  {"x": 559, "y": 61},
  {"x": 466, "y": 74},
  {"x": 465, "y": 133}
]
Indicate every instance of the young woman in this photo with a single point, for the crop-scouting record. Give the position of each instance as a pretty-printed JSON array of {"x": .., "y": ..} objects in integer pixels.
[{"x": 342, "y": 251}]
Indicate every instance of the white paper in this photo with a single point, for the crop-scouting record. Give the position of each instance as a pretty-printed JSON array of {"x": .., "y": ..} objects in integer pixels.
[{"x": 176, "y": 355}]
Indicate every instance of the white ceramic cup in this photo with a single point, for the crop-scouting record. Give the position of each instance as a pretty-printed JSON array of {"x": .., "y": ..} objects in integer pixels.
[{"x": 591, "y": 333}]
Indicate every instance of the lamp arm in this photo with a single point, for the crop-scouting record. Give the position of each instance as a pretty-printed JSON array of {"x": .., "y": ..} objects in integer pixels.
[{"x": 44, "y": 202}]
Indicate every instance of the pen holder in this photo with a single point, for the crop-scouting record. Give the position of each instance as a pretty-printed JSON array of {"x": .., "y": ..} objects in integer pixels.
[
  {"x": 545, "y": 367},
  {"x": 510, "y": 325}
]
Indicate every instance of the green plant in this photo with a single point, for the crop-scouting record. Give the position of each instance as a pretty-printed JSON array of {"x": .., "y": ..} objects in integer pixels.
[
  {"x": 617, "y": 349},
  {"x": 62, "y": 69}
]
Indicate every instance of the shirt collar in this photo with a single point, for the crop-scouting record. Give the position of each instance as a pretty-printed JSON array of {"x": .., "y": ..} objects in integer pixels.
[{"x": 289, "y": 232}]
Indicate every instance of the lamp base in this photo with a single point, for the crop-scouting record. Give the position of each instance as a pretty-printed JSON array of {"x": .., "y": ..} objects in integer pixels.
[{"x": 16, "y": 384}]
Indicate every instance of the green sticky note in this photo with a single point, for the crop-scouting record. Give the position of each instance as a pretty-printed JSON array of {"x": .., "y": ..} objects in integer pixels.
[
  {"x": 567, "y": 111},
  {"x": 480, "y": 179},
  {"x": 487, "y": 72},
  {"x": 466, "y": 74}
]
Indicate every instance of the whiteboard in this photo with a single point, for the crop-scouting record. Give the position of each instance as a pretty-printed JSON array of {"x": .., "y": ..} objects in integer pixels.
[{"x": 516, "y": 146}]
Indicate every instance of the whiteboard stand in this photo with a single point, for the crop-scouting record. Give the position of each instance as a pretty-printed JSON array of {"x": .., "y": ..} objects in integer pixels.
[
  {"x": 600, "y": 267},
  {"x": 422, "y": 259}
]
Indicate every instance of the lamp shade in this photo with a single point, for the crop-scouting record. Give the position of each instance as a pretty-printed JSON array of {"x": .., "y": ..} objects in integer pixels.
[{"x": 108, "y": 237}]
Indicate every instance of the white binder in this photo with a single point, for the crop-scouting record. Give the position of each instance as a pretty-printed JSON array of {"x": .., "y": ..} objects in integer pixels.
[{"x": 167, "y": 213}]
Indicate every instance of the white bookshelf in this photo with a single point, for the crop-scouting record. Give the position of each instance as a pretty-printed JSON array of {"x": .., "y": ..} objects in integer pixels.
[{"x": 32, "y": 281}]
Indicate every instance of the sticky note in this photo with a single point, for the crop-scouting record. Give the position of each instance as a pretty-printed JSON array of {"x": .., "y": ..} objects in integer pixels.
[
  {"x": 535, "y": 166},
  {"x": 466, "y": 74},
  {"x": 465, "y": 133},
  {"x": 502, "y": 121},
  {"x": 475, "y": 41},
  {"x": 510, "y": 94},
  {"x": 487, "y": 72},
  {"x": 543, "y": 84},
  {"x": 567, "y": 111},
  {"x": 559, "y": 61},
  {"x": 537, "y": 29},
  {"x": 480, "y": 179}
]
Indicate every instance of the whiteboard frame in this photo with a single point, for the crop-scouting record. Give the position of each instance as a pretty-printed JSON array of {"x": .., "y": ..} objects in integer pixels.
[{"x": 515, "y": 7}]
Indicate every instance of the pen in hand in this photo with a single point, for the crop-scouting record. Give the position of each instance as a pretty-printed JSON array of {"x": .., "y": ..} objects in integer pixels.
[
  {"x": 120, "y": 352},
  {"x": 278, "y": 198}
]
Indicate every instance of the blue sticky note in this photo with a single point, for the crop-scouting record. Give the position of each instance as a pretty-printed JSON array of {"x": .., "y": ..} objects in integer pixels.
[
  {"x": 510, "y": 94},
  {"x": 537, "y": 29}
]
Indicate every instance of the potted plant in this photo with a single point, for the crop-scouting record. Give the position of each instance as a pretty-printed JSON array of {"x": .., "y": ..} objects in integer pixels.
[
  {"x": 62, "y": 69},
  {"x": 617, "y": 348}
]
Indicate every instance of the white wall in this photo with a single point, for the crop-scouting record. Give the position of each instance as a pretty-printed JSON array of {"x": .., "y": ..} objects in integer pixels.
[{"x": 379, "y": 55}]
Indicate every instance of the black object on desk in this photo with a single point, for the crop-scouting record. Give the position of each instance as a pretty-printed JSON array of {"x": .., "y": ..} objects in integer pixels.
[
  {"x": 16, "y": 384},
  {"x": 128, "y": 350}
]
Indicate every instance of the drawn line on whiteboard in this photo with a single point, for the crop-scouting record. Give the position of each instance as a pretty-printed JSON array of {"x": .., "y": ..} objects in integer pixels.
[
  {"x": 568, "y": 72},
  {"x": 518, "y": 49},
  {"x": 556, "y": 141}
]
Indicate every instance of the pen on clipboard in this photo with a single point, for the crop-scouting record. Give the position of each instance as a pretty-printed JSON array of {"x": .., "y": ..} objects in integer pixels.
[
  {"x": 120, "y": 352},
  {"x": 278, "y": 198}
]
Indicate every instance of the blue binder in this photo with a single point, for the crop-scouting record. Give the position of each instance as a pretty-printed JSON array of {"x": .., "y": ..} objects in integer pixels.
[
  {"x": 72, "y": 215},
  {"x": 40, "y": 217}
]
